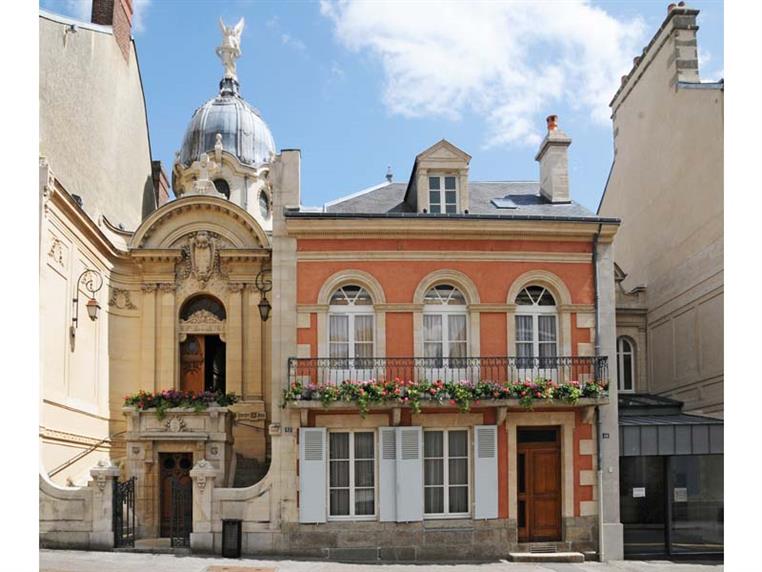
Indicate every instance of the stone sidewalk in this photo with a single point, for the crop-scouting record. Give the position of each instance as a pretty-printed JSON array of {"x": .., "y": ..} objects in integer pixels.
[{"x": 77, "y": 561}]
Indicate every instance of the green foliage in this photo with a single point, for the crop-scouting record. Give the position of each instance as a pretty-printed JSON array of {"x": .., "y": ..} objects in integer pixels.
[
  {"x": 169, "y": 398},
  {"x": 462, "y": 394}
]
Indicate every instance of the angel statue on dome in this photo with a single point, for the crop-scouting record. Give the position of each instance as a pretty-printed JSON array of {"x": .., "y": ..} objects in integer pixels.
[{"x": 230, "y": 50}]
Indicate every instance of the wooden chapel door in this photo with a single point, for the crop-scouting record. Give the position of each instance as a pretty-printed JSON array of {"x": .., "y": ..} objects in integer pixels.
[
  {"x": 539, "y": 484},
  {"x": 192, "y": 363},
  {"x": 173, "y": 466}
]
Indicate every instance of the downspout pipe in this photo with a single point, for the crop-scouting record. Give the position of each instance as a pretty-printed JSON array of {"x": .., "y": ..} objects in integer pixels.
[{"x": 599, "y": 455}]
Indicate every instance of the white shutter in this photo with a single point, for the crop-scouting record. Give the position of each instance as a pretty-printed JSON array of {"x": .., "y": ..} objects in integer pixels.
[
  {"x": 485, "y": 471},
  {"x": 387, "y": 474},
  {"x": 313, "y": 453},
  {"x": 409, "y": 474}
]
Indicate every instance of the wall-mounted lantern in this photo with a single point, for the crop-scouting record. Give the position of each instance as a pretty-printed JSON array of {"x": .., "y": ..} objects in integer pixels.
[
  {"x": 264, "y": 284},
  {"x": 92, "y": 282}
]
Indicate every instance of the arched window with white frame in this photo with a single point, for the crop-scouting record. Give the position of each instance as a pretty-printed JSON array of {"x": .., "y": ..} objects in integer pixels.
[
  {"x": 350, "y": 330},
  {"x": 625, "y": 364},
  {"x": 445, "y": 330},
  {"x": 536, "y": 328}
]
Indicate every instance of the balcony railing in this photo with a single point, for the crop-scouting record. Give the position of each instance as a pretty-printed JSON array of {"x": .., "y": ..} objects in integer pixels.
[{"x": 503, "y": 370}]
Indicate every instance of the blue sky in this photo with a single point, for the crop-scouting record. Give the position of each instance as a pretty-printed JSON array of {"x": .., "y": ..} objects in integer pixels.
[{"x": 359, "y": 86}]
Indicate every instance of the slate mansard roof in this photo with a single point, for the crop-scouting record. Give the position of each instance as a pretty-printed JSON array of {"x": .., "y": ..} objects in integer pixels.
[{"x": 503, "y": 199}]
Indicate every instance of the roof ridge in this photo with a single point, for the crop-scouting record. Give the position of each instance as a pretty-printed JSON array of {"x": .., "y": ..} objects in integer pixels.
[{"x": 357, "y": 194}]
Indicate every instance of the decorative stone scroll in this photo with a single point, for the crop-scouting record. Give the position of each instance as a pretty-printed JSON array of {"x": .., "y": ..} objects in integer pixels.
[{"x": 120, "y": 299}]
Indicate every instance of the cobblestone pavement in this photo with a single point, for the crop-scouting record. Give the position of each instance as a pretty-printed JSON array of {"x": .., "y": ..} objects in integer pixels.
[{"x": 77, "y": 561}]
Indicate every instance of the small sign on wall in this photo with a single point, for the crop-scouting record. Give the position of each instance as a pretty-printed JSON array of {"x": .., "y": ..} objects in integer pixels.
[
  {"x": 681, "y": 494},
  {"x": 638, "y": 492}
]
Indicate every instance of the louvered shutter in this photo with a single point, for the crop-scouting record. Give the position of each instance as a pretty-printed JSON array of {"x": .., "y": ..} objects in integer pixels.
[
  {"x": 387, "y": 474},
  {"x": 485, "y": 471},
  {"x": 313, "y": 453},
  {"x": 409, "y": 474}
]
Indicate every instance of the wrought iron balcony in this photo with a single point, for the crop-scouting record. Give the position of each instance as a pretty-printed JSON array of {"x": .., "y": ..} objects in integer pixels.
[{"x": 501, "y": 370}]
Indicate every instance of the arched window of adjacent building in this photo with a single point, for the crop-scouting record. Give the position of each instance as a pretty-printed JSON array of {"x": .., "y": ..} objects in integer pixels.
[
  {"x": 445, "y": 326},
  {"x": 222, "y": 187},
  {"x": 625, "y": 363},
  {"x": 350, "y": 327},
  {"x": 536, "y": 327}
]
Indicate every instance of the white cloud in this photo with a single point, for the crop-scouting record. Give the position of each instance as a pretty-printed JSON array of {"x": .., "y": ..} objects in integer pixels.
[
  {"x": 508, "y": 62},
  {"x": 139, "y": 9},
  {"x": 78, "y": 9},
  {"x": 296, "y": 43}
]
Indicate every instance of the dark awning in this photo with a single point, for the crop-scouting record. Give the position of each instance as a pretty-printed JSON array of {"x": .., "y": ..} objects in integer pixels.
[{"x": 669, "y": 435}]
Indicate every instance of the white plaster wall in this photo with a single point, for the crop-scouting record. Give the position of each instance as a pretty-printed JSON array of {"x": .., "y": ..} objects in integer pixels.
[{"x": 93, "y": 122}]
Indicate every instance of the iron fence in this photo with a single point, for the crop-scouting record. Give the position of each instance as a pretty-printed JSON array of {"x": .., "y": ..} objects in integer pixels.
[
  {"x": 510, "y": 369},
  {"x": 123, "y": 512}
]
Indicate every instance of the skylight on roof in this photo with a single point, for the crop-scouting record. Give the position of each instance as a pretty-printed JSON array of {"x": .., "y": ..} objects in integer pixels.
[{"x": 504, "y": 203}]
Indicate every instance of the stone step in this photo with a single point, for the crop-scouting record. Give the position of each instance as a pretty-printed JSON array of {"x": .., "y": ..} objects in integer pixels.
[{"x": 546, "y": 557}]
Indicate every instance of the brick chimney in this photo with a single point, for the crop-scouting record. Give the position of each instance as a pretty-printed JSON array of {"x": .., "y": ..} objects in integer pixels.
[
  {"x": 160, "y": 183},
  {"x": 118, "y": 15},
  {"x": 554, "y": 163}
]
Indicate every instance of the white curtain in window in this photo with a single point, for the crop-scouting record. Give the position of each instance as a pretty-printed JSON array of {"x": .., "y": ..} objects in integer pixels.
[
  {"x": 363, "y": 331},
  {"x": 338, "y": 337},
  {"x": 457, "y": 336},
  {"x": 339, "y": 474},
  {"x": 547, "y": 335},
  {"x": 432, "y": 336},
  {"x": 364, "y": 474},
  {"x": 524, "y": 336}
]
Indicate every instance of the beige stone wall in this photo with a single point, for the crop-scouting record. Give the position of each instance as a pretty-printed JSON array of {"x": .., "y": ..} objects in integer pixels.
[
  {"x": 666, "y": 184},
  {"x": 93, "y": 126},
  {"x": 74, "y": 408}
]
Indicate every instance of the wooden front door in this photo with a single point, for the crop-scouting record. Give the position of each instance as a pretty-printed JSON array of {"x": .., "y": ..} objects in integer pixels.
[
  {"x": 172, "y": 466},
  {"x": 539, "y": 484},
  {"x": 192, "y": 363}
]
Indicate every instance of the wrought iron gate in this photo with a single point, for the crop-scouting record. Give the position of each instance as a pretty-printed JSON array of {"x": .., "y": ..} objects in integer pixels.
[
  {"x": 123, "y": 512},
  {"x": 181, "y": 511}
]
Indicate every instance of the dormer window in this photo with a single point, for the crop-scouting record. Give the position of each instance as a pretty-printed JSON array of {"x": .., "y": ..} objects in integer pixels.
[{"x": 443, "y": 194}]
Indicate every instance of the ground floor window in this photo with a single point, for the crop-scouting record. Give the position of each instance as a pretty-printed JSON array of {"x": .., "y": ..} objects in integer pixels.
[
  {"x": 445, "y": 473},
  {"x": 672, "y": 505},
  {"x": 352, "y": 474}
]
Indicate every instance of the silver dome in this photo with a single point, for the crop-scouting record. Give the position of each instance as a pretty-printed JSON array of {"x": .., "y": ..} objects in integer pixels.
[{"x": 244, "y": 133}]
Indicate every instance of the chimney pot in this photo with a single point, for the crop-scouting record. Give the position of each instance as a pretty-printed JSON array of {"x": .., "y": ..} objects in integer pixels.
[
  {"x": 671, "y": 7},
  {"x": 552, "y": 121}
]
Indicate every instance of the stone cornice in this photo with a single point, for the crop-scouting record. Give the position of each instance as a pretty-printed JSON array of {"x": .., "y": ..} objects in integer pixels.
[
  {"x": 462, "y": 228},
  {"x": 507, "y": 256}
]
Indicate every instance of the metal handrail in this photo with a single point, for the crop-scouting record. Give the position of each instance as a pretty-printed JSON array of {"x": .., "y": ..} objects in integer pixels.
[
  {"x": 501, "y": 369},
  {"x": 83, "y": 454}
]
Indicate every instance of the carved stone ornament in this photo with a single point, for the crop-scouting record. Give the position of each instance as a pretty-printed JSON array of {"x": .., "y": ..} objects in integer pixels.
[
  {"x": 167, "y": 287},
  {"x": 148, "y": 288},
  {"x": 56, "y": 252},
  {"x": 200, "y": 257},
  {"x": 120, "y": 299},
  {"x": 202, "y": 317},
  {"x": 175, "y": 425}
]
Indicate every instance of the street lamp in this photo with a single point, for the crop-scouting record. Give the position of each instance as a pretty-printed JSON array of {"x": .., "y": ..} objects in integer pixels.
[
  {"x": 92, "y": 281},
  {"x": 264, "y": 284}
]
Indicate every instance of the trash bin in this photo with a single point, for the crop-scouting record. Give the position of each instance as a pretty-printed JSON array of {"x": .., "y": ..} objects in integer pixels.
[{"x": 231, "y": 538}]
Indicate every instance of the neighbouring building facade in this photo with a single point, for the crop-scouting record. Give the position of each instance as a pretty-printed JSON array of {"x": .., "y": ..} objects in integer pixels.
[
  {"x": 666, "y": 185},
  {"x": 422, "y": 370}
]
